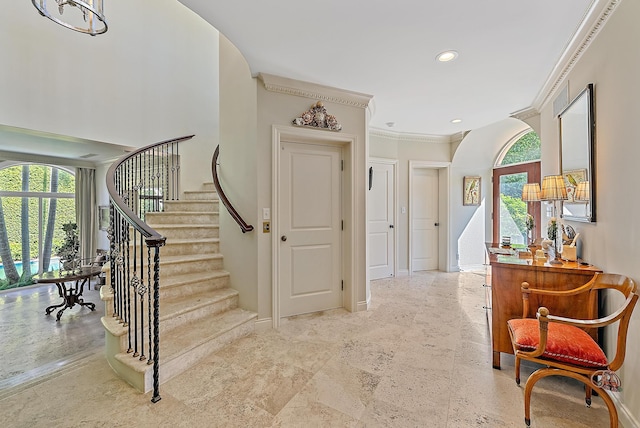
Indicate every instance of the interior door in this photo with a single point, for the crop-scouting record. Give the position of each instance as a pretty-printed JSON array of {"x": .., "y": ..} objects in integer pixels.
[
  {"x": 380, "y": 211},
  {"x": 424, "y": 219},
  {"x": 310, "y": 228},
  {"x": 508, "y": 208}
]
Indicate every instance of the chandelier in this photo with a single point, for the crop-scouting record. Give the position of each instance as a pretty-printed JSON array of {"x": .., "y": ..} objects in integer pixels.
[{"x": 85, "y": 16}]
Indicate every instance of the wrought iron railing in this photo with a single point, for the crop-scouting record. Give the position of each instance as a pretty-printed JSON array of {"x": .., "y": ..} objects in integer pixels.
[
  {"x": 138, "y": 183},
  {"x": 216, "y": 182}
]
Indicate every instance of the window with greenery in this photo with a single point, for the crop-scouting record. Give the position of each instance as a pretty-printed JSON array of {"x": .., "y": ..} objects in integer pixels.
[
  {"x": 35, "y": 201},
  {"x": 523, "y": 149}
]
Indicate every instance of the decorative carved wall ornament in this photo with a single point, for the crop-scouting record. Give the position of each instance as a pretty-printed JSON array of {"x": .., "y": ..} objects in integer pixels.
[{"x": 318, "y": 117}]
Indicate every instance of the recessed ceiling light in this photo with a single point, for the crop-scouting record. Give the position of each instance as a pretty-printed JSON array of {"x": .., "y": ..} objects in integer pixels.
[
  {"x": 456, "y": 120},
  {"x": 447, "y": 56}
]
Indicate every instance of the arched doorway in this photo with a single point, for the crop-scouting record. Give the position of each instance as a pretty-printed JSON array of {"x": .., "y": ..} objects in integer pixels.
[{"x": 517, "y": 165}]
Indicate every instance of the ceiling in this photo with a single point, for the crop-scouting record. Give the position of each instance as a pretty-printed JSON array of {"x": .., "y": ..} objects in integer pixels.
[
  {"x": 20, "y": 144},
  {"x": 507, "y": 52}
]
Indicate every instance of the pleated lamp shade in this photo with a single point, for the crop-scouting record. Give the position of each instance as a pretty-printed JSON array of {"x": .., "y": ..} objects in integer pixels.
[
  {"x": 553, "y": 189},
  {"x": 582, "y": 191},
  {"x": 531, "y": 192}
]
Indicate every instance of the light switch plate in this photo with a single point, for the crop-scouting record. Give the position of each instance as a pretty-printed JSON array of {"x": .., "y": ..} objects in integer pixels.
[{"x": 266, "y": 214}]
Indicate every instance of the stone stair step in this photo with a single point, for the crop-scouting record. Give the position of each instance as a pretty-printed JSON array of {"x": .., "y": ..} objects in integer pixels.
[
  {"x": 177, "y": 246},
  {"x": 188, "y": 231},
  {"x": 193, "y": 283},
  {"x": 192, "y": 343},
  {"x": 181, "y": 217},
  {"x": 192, "y": 205},
  {"x": 186, "y": 309},
  {"x": 181, "y": 264},
  {"x": 200, "y": 195},
  {"x": 209, "y": 186}
]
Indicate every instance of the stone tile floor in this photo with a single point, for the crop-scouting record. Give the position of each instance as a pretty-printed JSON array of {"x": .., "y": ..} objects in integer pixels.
[{"x": 420, "y": 357}]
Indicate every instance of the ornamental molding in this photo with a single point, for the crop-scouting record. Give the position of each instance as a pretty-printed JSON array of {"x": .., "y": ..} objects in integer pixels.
[
  {"x": 525, "y": 114},
  {"x": 409, "y": 137},
  {"x": 317, "y": 117},
  {"x": 314, "y": 91},
  {"x": 590, "y": 27}
]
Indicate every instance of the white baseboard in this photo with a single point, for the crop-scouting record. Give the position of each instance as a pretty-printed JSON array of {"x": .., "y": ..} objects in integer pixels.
[
  {"x": 403, "y": 272},
  {"x": 362, "y": 306},
  {"x": 264, "y": 324},
  {"x": 626, "y": 419}
]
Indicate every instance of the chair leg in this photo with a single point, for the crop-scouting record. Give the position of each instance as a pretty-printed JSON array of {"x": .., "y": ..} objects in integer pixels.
[
  {"x": 545, "y": 372},
  {"x": 587, "y": 397},
  {"x": 517, "y": 370}
]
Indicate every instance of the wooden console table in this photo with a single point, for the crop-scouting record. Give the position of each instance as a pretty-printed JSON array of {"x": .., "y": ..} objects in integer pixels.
[{"x": 505, "y": 274}]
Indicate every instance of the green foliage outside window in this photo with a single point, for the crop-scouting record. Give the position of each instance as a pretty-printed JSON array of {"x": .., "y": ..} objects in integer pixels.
[
  {"x": 40, "y": 177},
  {"x": 526, "y": 149}
]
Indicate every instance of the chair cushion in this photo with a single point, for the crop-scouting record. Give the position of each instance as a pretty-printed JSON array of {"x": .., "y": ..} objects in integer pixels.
[{"x": 565, "y": 343}]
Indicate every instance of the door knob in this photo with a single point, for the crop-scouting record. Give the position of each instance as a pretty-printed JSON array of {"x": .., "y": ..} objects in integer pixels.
[
  {"x": 390, "y": 226},
  {"x": 436, "y": 224},
  {"x": 283, "y": 238}
]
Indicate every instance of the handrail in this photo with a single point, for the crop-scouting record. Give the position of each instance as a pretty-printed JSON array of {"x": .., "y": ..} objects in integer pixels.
[
  {"x": 153, "y": 238},
  {"x": 138, "y": 184},
  {"x": 216, "y": 182}
]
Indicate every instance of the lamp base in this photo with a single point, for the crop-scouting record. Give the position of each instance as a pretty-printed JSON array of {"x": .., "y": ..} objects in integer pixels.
[{"x": 555, "y": 261}]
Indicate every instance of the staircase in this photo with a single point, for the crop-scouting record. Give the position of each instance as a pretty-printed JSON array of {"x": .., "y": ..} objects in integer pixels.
[{"x": 199, "y": 313}]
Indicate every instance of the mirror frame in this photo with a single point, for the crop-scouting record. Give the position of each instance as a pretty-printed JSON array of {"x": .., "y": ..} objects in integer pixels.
[{"x": 588, "y": 146}]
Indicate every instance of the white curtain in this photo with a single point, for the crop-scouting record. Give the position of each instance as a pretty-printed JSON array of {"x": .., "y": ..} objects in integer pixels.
[{"x": 86, "y": 212}]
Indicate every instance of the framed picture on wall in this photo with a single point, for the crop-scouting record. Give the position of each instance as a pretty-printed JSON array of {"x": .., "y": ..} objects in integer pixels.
[
  {"x": 471, "y": 191},
  {"x": 103, "y": 217}
]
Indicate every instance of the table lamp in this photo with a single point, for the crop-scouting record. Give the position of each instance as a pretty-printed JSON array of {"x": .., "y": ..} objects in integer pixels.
[
  {"x": 553, "y": 189},
  {"x": 582, "y": 194},
  {"x": 531, "y": 193}
]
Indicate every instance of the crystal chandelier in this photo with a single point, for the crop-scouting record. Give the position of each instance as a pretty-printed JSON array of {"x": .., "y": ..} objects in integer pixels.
[{"x": 85, "y": 16}]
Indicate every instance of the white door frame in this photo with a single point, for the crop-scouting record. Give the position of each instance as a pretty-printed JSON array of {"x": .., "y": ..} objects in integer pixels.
[
  {"x": 349, "y": 209},
  {"x": 444, "y": 232},
  {"x": 394, "y": 164}
]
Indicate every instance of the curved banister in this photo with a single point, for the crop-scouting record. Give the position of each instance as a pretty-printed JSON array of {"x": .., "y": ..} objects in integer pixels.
[
  {"x": 153, "y": 238},
  {"x": 216, "y": 182},
  {"x": 138, "y": 184}
]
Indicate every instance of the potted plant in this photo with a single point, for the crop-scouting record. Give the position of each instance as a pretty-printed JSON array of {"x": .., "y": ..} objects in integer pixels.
[{"x": 68, "y": 251}]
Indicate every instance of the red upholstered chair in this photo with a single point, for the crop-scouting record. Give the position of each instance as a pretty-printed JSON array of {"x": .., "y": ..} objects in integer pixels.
[{"x": 564, "y": 347}]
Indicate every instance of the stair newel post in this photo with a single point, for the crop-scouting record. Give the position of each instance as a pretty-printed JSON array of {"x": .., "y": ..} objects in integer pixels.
[{"x": 156, "y": 322}]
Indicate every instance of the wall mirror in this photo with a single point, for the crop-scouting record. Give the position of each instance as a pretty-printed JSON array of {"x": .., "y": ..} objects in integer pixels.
[{"x": 577, "y": 157}]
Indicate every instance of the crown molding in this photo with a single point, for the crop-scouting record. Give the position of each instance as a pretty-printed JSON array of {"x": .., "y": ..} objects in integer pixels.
[
  {"x": 525, "y": 114},
  {"x": 314, "y": 91},
  {"x": 590, "y": 26},
  {"x": 409, "y": 137}
]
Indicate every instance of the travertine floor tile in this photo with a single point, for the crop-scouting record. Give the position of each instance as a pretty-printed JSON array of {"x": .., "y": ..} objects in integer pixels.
[{"x": 420, "y": 357}]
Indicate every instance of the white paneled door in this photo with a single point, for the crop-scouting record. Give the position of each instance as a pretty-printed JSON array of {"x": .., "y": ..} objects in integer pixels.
[
  {"x": 424, "y": 219},
  {"x": 380, "y": 211},
  {"x": 310, "y": 228}
]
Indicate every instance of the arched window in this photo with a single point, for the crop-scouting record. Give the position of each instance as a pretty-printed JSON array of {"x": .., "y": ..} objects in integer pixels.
[
  {"x": 517, "y": 164},
  {"x": 35, "y": 201},
  {"x": 523, "y": 148}
]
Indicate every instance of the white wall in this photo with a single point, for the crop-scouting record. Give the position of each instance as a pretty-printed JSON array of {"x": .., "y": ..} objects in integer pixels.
[
  {"x": 151, "y": 77},
  {"x": 476, "y": 156},
  {"x": 238, "y": 175},
  {"x": 612, "y": 63},
  {"x": 248, "y": 113},
  {"x": 399, "y": 147},
  {"x": 135, "y": 85}
]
